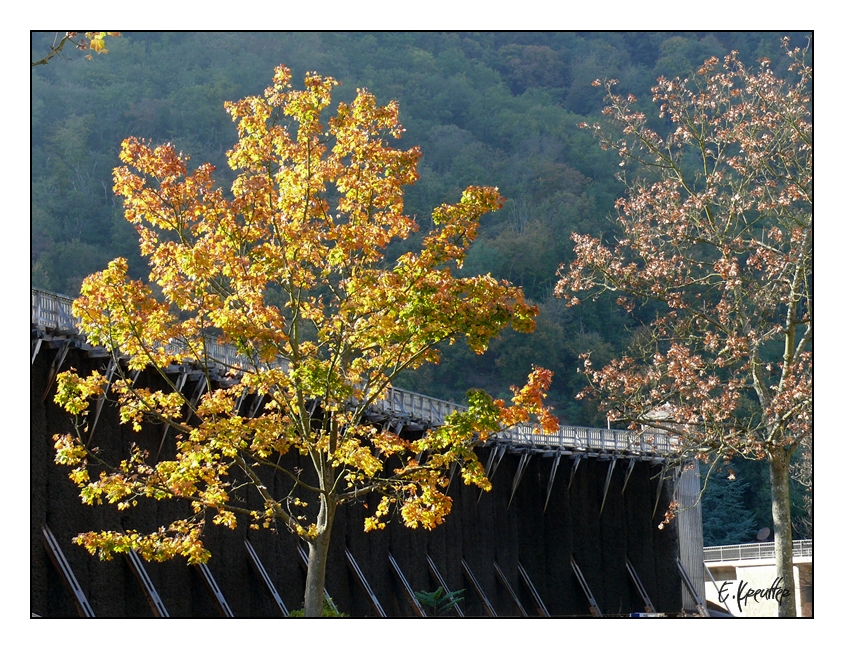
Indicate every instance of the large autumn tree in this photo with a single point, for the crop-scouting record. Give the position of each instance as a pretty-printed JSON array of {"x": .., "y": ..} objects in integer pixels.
[
  {"x": 715, "y": 258},
  {"x": 290, "y": 270}
]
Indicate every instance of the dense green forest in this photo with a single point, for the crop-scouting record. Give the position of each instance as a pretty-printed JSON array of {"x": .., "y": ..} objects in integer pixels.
[{"x": 486, "y": 108}]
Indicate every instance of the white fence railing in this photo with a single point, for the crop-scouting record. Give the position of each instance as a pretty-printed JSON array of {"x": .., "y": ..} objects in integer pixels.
[
  {"x": 726, "y": 553},
  {"x": 53, "y": 311}
]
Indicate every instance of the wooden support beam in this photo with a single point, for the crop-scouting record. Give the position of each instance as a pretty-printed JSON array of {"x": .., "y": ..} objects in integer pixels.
[
  {"x": 520, "y": 471},
  {"x": 493, "y": 463},
  {"x": 659, "y": 489},
  {"x": 239, "y": 404},
  {"x": 537, "y": 600},
  {"x": 112, "y": 367},
  {"x": 607, "y": 485},
  {"x": 477, "y": 586},
  {"x": 35, "y": 346},
  {"x": 408, "y": 591},
  {"x": 593, "y": 605},
  {"x": 441, "y": 582},
  {"x": 219, "y": 601},
  {"x": 66, "y": 573},
  {"x": 451, "y": 473},
  {"x": 180, "y": 384},
  {"x": 640, "y": 587},
  {"x": 256, "y": 406},
  {"x": 551, "y": 480},
  {"x": 256, "y": 564},
  {"x": 687, "y": 582},
  {"x": 495, "y": 458},
  {"x": 577, "y": 459},
  {"x": 56, "y": 366},
  {"x": 631, "y": 463},
  {"x": 512, "y": 593},
  {"x": 151, "y": 594},
  {"x": 201, "y": 385},
  {"x": 376, "y": 605}
]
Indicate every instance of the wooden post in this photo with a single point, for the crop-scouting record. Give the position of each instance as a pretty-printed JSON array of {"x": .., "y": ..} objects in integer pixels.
[{"x": 690, "y": 529}]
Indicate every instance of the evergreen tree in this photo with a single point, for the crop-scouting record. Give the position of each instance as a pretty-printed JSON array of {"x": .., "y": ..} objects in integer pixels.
[{"x": 726, "y": 518}]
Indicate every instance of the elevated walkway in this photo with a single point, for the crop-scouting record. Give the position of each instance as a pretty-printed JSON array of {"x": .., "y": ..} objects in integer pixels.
[{"x": 52, "y": 319}]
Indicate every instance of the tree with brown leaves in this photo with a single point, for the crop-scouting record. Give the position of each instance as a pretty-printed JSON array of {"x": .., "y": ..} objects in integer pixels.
[{"x": 716, "y": 245}]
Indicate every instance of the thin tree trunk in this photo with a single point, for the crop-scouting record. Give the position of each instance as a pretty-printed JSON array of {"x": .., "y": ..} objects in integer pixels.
[
  {"x": 318, "y": 560},
  {"x": 781, "y": 510}
]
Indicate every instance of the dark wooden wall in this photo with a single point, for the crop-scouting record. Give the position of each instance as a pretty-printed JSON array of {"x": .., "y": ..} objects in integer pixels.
[{"x": 480, "y": 531}]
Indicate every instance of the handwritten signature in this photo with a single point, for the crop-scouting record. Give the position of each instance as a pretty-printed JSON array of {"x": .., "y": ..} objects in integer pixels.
[{"x": 745, "y": 593}]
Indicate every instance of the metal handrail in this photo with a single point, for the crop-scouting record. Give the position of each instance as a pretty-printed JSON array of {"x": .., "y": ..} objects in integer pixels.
[{"x": 800, "y": 548}]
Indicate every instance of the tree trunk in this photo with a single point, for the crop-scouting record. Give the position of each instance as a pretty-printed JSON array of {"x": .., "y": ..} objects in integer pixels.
[
  {"x": 781, "y": 510},
  {"x": 318, "y": 559}
]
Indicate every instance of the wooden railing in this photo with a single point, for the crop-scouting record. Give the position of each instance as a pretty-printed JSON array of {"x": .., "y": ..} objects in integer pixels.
[
  {"x": 411, "y": 405},
  {"x": 215, "y": 354},
  {"x": 53, "y": 311},
  {"x": 594, "y": 439}
]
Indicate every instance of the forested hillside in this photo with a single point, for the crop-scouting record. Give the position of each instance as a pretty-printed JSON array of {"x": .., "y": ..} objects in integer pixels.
[{"x": 496, "y": 109}]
